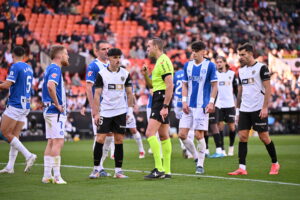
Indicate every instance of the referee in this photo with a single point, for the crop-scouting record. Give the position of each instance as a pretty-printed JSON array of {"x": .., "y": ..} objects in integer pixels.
[{"x": 162, "y": 85}]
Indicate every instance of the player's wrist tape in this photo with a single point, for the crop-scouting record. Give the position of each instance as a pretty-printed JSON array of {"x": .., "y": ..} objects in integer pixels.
[
  {"x": 184, "y": 99},
  {"x": 212, "y": 100},
  {"x": 130, "y": 111},
  {"x": 237, "y": 111}
]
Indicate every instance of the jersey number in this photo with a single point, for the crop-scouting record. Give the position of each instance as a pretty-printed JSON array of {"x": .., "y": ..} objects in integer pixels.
[
  {"x": 28, "y": 84},
  {"x": 178, "y": 87}
]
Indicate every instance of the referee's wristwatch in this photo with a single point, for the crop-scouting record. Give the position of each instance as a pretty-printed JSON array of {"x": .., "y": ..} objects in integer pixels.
[{"x": 165, "y": 106}]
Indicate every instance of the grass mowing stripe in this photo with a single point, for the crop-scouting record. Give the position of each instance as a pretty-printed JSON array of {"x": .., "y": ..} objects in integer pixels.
[{"x": 176, "y": 174}]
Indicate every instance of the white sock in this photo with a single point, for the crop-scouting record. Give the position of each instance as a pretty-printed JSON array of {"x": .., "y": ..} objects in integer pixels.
[
  {"x": 242, "y": 166},
  {"x": 181, "y": 144},
  {"x": 138, "y": 139},
  {"x": 112, "y": 148},
  {"x": 47, "y": 166},
  {"x": 219, "y": 150},
  {"x": 201, "y": 152},
  {"x": 117, "y": 170},
  {"x": 56, "y": 165},
  {"x": 105, "y": 150},
  {"x": 190, "y": 146},
  {"x": 20, "y": 147},
  {"x": 13, "y": 153}
]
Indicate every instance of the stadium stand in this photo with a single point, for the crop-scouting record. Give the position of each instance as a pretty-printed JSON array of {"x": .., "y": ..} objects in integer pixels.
[{"x": 273, "y": 27}]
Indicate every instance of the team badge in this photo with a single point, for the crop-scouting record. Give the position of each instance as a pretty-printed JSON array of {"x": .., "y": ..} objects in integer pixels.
[
  {"x": 229, "y": 77},
  {"x": 253, "y": 72},
  {"x": 122, "y": 78},
  {"x": 54, "y": 75},
  {"x": 203, "y": 71},
  {"x": 90, "y": 73}
]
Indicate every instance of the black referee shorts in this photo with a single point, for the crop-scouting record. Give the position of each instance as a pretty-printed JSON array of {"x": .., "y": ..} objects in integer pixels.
[
  {"x": 157, "y": 105},
  {"x": 116, "y": 124},
  {"x": 226, "y": 114},
  {"x": 252, "y": 119}
]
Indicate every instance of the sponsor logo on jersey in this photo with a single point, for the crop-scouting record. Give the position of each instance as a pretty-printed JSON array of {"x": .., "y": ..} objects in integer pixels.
[
  {"x": 54, "y": 75},
  {"x": 248, "y": 81},
  {"x": 90, "y": 73},
  {"x": 11, "y": 73}
]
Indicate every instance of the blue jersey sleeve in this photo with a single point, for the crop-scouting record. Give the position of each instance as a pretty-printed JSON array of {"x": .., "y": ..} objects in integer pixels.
[
  {"x": 13, "y": 73},
  {"x": 91, "y": 73},
  {"x": 185, "y": 75},
  {"x": 212, "y": 72},
  {"x": 54, "y": 75}
]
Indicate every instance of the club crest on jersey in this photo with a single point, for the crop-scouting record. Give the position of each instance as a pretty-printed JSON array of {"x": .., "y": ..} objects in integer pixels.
[
  {"x": 90, "y": 73},
  {"x": 229, "y": 77},
  {"x": 122, "y": 78},
  {"x": 253, "y": 72},
  {"x": 54, "y": 75},
  {"x": 203, "y": 71}
]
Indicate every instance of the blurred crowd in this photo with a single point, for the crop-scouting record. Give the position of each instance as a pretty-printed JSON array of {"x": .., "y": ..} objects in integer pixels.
[{"x": 221, "y": 24}]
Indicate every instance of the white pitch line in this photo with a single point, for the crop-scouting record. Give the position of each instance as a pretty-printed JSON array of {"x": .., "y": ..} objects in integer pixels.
[{"x": 177, "y": 174}]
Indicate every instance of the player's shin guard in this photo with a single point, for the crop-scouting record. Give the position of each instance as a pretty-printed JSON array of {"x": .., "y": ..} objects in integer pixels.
[
  {"x": 118, "y": 155},
  {"x": 155, "y": 147},
  {"x": 56, "y": 165},
  {"x": 167, "y": 152},
  {"x": 243, "y": 148},
  {"x": 97, "y": 153},
  {"x": 20, "y": 147},
  {"x": 201, "y": 152},
  {"x": 221, "y": 139},
  {"x": 109, "y": 141},
  {"x": 272, "y": 151},
  {"x": 138, "y": 139},
  {"x": 190, "y": 146},
  {"x": 231, "y": 138},
  {"x": 13, "y": 153},
  {"x": 47, "y": 166}
]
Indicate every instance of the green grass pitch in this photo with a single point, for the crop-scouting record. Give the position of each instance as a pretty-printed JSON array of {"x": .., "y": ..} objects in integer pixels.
[{"x": 211, "y": 186}]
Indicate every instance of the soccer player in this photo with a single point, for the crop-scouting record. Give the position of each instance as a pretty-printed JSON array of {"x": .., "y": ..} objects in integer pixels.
[
  {"x": 162, "y": 85},
  {"x": 19, "y": 82},
  {"x": 101, "y": 62},
  {"x": 111, "y": 84},
  {"x": 177, "y": 103},
  {"x": 254, "y": 92},
  {"x": 225, "y": 105},
  {"x": 213, "y": 126},
  {"x": 199, "y": 90},
  {"x": 54, "y": 99}
]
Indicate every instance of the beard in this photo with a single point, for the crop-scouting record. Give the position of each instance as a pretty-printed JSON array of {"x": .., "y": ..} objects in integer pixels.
[{"x": 64, "y": 63}]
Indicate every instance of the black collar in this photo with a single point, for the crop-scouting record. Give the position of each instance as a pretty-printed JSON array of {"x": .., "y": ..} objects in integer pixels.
[{"x": 112, "y": 71}]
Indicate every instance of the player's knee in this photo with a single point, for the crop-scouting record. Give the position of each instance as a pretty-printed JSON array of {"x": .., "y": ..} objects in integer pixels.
[
  {"x": 243, "y": 138},
  {"x": 265, "y": 138}
]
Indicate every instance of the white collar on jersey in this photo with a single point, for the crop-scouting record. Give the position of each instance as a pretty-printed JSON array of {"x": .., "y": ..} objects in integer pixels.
[{"x": 102, "y": 62}]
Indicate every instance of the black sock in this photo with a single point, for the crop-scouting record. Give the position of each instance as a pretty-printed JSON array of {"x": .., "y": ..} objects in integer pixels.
[
  {"x": 97, "y": 153},
  {"x": 243, "y": 152},
  {"x": 272, "y": 151},
  {"x": 231, "y": 138},
  {"x": 206, "y": 141},
  {"x": 217, "y": 140},
  {"x": 118, "y": 155},
  {"x": 221, "y": 139}
]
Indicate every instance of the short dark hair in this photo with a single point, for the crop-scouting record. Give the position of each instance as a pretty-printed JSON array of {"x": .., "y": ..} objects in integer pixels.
[
  {"x": 114, "y": 52},
  {"x": 100, "y": 42},
  {"x": 19, "y": 51},
  {"x": 158, "y": 42},
  {"x": 198, "y": 45},
  {"x": 55, "y": 50},
  {"x": 247, "y": 46}
]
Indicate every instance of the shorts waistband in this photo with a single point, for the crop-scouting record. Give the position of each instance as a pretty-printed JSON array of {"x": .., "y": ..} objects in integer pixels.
[{"x": 159, "y": 92}]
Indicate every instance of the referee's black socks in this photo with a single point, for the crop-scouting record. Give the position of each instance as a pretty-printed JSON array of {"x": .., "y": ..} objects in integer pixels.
[
  {"x": 118, "y": 155},
  {"x": 272, "y": 151},
  {"x": 97, "y": 153},
  {"x": 243, "y": 148}
]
